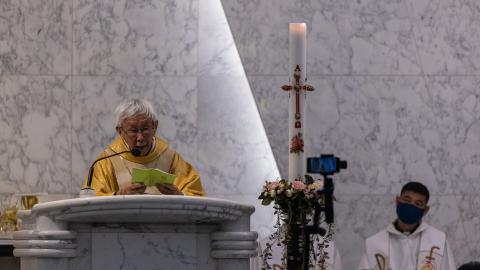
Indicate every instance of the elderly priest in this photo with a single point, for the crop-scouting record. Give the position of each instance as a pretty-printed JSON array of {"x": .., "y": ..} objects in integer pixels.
[{"x": 136, "y": 127}]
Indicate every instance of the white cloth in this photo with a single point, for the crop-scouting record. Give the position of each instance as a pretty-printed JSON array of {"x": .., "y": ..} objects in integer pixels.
[
  {"x": 333, "y": 262},
  {"x": 407, "y": 251}
]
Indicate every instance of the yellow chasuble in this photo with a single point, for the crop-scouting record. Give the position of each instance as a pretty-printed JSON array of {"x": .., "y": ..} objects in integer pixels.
[{"x": 113, "y": 173}]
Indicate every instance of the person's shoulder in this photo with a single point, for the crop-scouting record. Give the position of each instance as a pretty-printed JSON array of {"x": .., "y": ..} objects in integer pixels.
[
  {"x": 117, "y": 145},
  {"x": 162, "y": 148},
  {"x": 380, "y": 234},
  {"x": 161, "y": 144},
  {"x": 432, "y": 228}
]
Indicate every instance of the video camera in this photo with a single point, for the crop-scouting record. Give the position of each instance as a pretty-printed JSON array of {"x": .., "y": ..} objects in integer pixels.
[{"x": 325, "y": 164}]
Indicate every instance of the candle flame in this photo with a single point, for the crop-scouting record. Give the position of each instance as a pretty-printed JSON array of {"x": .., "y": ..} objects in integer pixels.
[{"x": 298, "y": 27}]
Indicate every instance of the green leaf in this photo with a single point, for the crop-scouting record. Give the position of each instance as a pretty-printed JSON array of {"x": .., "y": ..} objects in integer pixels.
[
  {"x": 308, "y": 179},
  {"x": 266, "y": 201}
]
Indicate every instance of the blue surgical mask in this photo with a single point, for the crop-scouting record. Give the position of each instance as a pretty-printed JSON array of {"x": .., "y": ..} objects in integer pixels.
[{"x": 409, "y": 213}]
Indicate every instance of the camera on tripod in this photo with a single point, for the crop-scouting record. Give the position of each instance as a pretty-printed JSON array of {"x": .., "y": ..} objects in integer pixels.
[{"x": 325, "y": 164}]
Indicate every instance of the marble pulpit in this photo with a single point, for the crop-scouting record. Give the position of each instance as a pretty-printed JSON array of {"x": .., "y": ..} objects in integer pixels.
[{"x": 137, "y": 232}]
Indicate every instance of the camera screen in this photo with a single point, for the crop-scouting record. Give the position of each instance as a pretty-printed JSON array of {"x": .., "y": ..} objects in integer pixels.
[
  {"x": 324, "y": 164},
  {"x": 328, "y": 164}
]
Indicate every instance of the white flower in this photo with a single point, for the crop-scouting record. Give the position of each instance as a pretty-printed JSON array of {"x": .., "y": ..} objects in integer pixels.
[
  {"x": 265, "y": 194},
  {"x": 288, "y": 193},
  {"x": 317, "y": 185},
  {"x": 273, "y": 193}
]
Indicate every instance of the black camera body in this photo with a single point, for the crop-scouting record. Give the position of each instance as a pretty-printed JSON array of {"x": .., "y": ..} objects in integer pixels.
[{"x": 325, "y": 164}]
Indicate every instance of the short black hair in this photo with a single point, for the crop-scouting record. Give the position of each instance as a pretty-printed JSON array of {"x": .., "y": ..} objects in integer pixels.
[
  {"x": 470, "y": 266},
  {"x": 416, "y": 187}
]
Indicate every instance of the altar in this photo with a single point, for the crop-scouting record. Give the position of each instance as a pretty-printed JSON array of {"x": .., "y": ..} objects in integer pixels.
[{"x": 137, "y": 232}]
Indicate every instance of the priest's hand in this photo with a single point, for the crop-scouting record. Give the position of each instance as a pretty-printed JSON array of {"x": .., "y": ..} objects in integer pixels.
[
  {"x": 168, "y": 189},
  {"x": 135, "y": 188}
]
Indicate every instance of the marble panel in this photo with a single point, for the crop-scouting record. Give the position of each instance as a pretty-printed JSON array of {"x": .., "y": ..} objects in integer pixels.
[
  {"x": 178, "y": 251},
  {"x": 445, "y": 214},
  {"x": 35, "y": 37},
  {"x": 94, "y": 102},
  {"x": 217, "y": 53},
  {"x": 473, "y": 256},
  {"x": 7, "y": 200},
  {"x": 177, "y": 101},
  {"x": 233, "y": 150},
  {"x": 446, "y": 35},
  {"x": 389, "y": 128},
  {"x": 135, "y": 37},
  {"x": 468, "y": 208},
  {"x": 393, "y": 129},
  {"x": 454, "y": 100},
  {"x": 381, "y": 126},
  {"x": 262, "y": 220},
  {"x": 83, "y": 260},
  {"x": 272, "y": 104},
  {"x": 356, "y": 218},
  {"x": 344, "y": 37},
  {"x": 234, "y": 153},
  {"x": 35, "y": 124}
]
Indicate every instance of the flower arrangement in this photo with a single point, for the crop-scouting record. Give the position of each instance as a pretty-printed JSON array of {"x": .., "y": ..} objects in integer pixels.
[
  {"x": 293, "y": 200},
  {"x": 294, "y": 204}
]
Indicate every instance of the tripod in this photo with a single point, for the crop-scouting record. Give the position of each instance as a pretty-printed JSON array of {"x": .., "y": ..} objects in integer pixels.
[
  {"x": 315, "y": 228},
  {"x": 293, "y": 254}
]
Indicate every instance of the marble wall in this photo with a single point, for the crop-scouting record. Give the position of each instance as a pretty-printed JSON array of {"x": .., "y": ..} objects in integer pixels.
[
  {"x": 396, "y": 95},
  {"x": 65, "y": 65}
]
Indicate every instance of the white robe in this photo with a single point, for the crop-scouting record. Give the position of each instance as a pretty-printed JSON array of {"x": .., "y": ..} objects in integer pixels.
[
  {"x": 332, "y": 263},
  {"x": 404, "y": 250}
]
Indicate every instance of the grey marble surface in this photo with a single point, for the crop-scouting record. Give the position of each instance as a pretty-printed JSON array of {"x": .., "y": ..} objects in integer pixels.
[
  {"x": 390, "y": 129},
  {"x": 344, "y": 37},
  {"x": 35, "y": 133},
  {"x": 233, "y": 149},
  {"x": 177, "y": 250},
  {"x": 445, "y": 36},
  {"x": 396, "y": 95},
  {"x": 36, "y": 37},
  {"x": 138, "y": 232},
  {"x": 135, "y": 38}
]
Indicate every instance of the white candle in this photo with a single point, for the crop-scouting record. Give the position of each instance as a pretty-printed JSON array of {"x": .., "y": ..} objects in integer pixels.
[
  {"x": 296, "y": 116},
  {"x": 298, "y": 46}
]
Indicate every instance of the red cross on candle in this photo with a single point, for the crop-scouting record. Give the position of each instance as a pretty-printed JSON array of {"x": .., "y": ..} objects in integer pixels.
[{"x": 297, "y": 87}]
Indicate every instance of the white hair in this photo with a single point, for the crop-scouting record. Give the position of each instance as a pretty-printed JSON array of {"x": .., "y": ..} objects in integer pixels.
[{"x": 133, "y": 107}]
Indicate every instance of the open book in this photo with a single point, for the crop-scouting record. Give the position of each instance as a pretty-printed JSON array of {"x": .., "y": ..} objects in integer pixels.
[{"x": 151, "y": 177}]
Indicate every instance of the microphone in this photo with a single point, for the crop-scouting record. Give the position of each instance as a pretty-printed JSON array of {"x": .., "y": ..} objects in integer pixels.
[{"x": 135, "y": 151}]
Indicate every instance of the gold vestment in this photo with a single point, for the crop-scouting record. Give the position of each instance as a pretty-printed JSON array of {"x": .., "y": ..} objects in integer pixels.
[{"x": 107, "y": 178}]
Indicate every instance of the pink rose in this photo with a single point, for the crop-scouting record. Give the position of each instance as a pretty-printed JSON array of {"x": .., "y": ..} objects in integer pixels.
[
  {"x": 298, "y": 185},
  {"x": 273, "y": 185}
]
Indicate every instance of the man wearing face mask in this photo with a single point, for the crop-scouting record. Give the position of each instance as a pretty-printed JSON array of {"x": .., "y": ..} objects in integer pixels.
[{"x": 409, "y": 243}]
